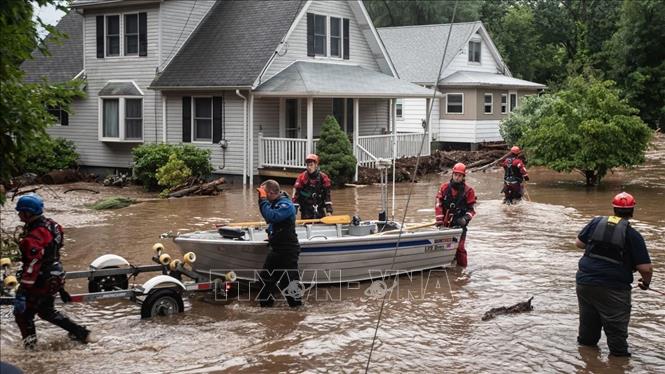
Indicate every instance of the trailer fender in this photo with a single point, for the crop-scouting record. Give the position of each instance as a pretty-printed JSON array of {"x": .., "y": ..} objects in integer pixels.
[
  {"x": 161, "y": 281},
  {"x": 107, "y": 261}
]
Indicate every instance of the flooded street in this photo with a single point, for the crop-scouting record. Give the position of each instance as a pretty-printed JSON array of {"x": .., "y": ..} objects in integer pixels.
[{"x": 432, "y": 323}]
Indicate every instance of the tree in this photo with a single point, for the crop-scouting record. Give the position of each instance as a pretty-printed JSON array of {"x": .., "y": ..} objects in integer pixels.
[
  {"x": 24, "y": 106},
  {"x": 386, "y": 13},
  {"x": 584, "y": 127},
  {"x": 335, "y": 152},
  {"x": 637, "y": 57}
]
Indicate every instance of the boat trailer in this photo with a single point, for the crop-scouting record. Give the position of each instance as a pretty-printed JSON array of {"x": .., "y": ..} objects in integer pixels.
[{"x": 108, "y": 278}]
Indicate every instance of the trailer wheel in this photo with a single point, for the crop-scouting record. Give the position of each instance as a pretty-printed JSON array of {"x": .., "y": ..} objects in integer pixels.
[
  {"x": 162, "y": 302},
  {"x": 109, "y": 282}
]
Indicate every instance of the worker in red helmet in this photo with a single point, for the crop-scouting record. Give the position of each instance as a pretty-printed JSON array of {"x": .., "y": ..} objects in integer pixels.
[
  {"x": 613, "y": 250},
  {"x": 454, "y": 207},
  {"x": 514, "y": 176},
  {"x": 312, "y": 190}
]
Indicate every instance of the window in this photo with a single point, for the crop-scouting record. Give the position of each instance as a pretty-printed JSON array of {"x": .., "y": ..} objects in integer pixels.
[
  {"x": 320, "y": 35},
  {"x": 61, "y": 116},
  {"x": 398, "y": 109},
  {"x": 488, "y": 103},
  {"x": 455, "y": 103},
  {"x": 110, "y": 121},
  {"x": 131, "y": 34},
  {"x": 113, "y": 35},
  {"x": 513, "y": 100},
  {"x": 202, "y": 121},
  {"x": 504, "y": 103},
  {"x": 474, "y": 51},
  {"x": 133, "y": 118},
  {"x": 335, "y": 37}
]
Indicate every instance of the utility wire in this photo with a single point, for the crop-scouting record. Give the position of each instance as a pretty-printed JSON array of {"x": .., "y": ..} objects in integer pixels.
[
  {"x": 173, "y": 48},
  {"x": 412, "y": 184}
]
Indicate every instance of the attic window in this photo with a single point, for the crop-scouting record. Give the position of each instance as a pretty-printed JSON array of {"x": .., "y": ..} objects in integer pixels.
[{"x": 474, "y": 51}]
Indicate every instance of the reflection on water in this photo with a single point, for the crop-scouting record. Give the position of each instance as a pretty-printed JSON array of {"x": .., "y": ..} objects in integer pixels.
[{"x": 515, "y": 252}]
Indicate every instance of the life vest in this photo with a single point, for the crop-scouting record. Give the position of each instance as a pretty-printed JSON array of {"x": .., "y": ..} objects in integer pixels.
[
  {"x": 513, "y": 173},
  {"x": 51, "y": 275},
  {"x": 282, "y": 235},
  {"x": 312, "y": 191},
  {"x": 456, "y": 206},
  {"x": 608, "y": 240}
]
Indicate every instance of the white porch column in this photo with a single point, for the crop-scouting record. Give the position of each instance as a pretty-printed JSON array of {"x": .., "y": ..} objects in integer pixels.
[
  {"x": 356, "y": 129},
  {"x": 393, "y": 125},
  {"x": 310, "y": 124},
  {"x": 252, "y": 151}
]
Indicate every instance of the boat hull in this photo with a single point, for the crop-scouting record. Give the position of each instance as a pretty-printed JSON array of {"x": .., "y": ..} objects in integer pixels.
[{"x": 326, "y": 259}]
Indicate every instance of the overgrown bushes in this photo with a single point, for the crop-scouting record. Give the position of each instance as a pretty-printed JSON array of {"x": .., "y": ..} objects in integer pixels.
[
  {"x": 336, "y": 153},
  {"x": 52, "y": 154},
  {"x": 149, "y": 158}
]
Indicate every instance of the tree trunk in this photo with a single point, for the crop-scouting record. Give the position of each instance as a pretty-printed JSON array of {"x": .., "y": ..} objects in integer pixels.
[{"x": 591, "y": 177}]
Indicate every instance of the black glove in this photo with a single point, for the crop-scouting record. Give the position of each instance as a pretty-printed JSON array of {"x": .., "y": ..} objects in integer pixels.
[
  {"x": 526, "y": 178},
  {"x": 463, "y": 221},
  {"x": 65, "y": 296},
  {"x": 643, "y": 285},
  {"x": 329, "y": 209}
]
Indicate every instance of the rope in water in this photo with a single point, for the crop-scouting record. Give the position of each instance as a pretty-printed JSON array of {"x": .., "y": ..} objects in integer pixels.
[{"x": 412, "y": 184}]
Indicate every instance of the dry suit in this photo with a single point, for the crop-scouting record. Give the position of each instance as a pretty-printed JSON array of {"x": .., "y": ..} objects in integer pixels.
[
  {"x": 454, "y": 208},
  {"x": 312, "y": 193}
]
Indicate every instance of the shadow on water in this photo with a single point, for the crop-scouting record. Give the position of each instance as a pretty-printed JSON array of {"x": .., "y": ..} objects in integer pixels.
[{"x": 430, "y": 323}]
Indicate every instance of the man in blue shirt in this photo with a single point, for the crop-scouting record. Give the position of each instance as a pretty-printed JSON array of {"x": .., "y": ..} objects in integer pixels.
[
  {"x": 613, "y": 250},
  {"x": 281, "y": 265}
]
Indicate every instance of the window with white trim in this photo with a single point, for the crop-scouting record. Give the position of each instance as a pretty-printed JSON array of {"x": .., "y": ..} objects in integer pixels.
[
  {"x": 488, "y": 103},
  {"x": 455, "y": 103},
  {"x": 61, "y": 116},
  {"x": 131, "y": 34},
  {"x": 320, "y": 34},
  {"x": 474, "y": 51},
  {"x": 399, "y": 110},
  {"x": 202, "y": 119},
  {"x": 504, "y": 103},
  {"x": 121, "y": 118},
  {"x": 113, "y": 35},
  {"x": 513, "y": 101}
]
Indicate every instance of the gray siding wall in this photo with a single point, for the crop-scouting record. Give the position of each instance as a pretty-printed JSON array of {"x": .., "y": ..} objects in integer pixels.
[
  {"x": 179, "y": 19},
  {"x": 374, "y": 116},
  {"x": 83, "y": 127},
  {"x": 360, "y": 53}
]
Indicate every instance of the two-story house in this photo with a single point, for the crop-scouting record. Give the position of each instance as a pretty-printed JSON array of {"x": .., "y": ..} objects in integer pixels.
[
  {"x": 477, "y": 88},
  {"x": 251, "y": 81}
]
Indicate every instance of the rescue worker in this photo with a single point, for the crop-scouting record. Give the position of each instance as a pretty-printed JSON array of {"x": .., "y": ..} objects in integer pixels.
[
  {"x": 514, "y": 175},
  {"x": 312, "y": 191},
  {"x": 454, "y": 207},
  {"x": 613, "y": 250},
  {"x": 41, "y": 275},
  {"x": 281, "y": 265}
]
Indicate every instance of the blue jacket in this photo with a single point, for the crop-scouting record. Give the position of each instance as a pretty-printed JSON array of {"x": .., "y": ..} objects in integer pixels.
[{"x": 281, "y": 218}]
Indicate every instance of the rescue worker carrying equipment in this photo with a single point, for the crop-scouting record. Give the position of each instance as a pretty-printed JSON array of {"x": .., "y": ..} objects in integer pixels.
[
  {"x": 514, "y": 175},
  {"x": 312, "y": 191}
]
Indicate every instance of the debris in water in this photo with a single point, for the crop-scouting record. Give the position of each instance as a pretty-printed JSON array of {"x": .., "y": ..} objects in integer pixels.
[
  {"x": 517, "y": 308},
  {"x": 113, "y": 202}
]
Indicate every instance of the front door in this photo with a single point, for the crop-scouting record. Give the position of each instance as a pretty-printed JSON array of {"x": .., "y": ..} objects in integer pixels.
[{"x": 292, "y": 130}]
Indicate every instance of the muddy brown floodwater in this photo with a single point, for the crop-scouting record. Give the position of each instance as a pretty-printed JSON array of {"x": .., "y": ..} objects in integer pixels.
[{"x": 431, "y": 323}]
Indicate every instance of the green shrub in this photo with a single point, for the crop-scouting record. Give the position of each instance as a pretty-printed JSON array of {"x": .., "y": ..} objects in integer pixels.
[
  {"x": 52, "y": 154},
  {"x": 113, "y": 202},
  {"x": 148, "y": 158},
  {"x": 175, "y": 172},
  {"x": 336, "y": 152}
]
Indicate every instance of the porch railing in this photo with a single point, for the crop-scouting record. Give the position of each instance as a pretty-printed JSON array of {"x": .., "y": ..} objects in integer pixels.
[{"x": 291, "y": 153}]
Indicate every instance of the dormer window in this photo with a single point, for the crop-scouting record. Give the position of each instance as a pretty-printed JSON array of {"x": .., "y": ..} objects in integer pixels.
[
  {"x": 335, "y": 37},
  {"x": 474, "y": 51}
]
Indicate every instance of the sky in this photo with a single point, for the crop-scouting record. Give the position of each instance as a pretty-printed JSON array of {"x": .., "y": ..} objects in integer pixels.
[{"x": 48, "y": 14}]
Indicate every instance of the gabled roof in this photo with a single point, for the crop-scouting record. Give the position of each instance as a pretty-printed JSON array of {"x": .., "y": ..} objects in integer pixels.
[
  {"x": 66, "y": 59},
  {"x": 484, "y": 79},
  {"x": 319, "y": 79},
  {"x": 417, "y": 51},
  {"x": 231, "y": 46}
]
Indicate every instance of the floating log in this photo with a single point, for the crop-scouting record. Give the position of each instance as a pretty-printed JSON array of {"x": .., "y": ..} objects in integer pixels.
[
  {"x": 81, "y": 189},
  {"x": 210, "y": 188},
  {"x": 517, "y": 308}
]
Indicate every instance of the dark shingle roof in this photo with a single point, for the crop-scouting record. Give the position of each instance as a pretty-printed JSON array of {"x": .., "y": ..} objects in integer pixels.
[
  {"x": 232, "y": 45},
  {"x": 66, "y": 59}
]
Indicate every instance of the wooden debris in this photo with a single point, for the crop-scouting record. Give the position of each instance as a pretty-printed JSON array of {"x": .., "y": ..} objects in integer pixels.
[
  {"x": 81, "y": 189},
  {"x": 517, "y": 308},
  {"x": 210, "y": 188},
  {"x": 61, "y": 176}
]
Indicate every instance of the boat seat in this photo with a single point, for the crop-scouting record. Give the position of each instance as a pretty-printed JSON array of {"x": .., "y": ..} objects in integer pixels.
[{"x": 231, "y": 233}]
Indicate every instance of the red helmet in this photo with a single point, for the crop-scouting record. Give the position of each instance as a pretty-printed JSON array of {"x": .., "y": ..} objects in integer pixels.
[
  {"x": 623, "y": 200},
  {"x": 515, "y": 150},
  {"x": 459, "y": 168},
  {"x": 312, "y": 157}
]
